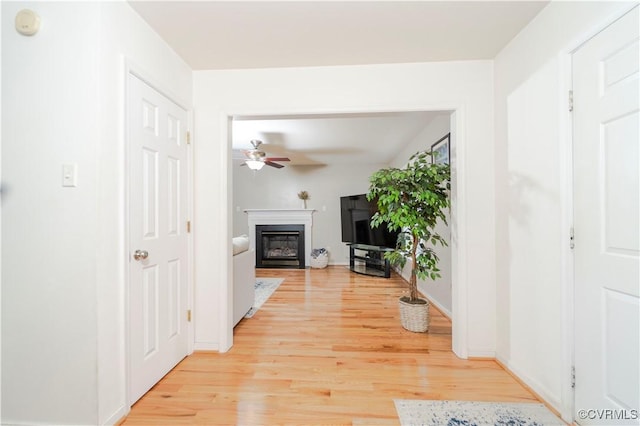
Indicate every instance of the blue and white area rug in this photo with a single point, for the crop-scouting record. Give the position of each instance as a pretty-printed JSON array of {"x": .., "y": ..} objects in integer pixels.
[
  {"x": 264, "y": 289},
  {"x": 472, "y": 413}
]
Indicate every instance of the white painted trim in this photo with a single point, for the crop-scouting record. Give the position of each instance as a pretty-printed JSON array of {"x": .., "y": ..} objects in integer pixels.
[
  {"x": 458, "y": 224},
  {"x": 126, "y": 193},
  {"x": 458, "y": 218},
  {"x": 1, "y": 222},
  {"x": 535, "y": 386},
  {"x": 447, "y": 313},
  {"x": 190, "y": 244},
  {"x": 572, "y": 47},
  {"x": 206, "y": 347},
  {"x": 565, "y": 123},
  {"x": 225, "y": 305},
  {"x": 472, "y": 353},
  {"x": 405, "y": 274},
  {"x": 147, "y": 76},
  {"x": 565, "y": 152},
  {"x": 117, "y": 416}
]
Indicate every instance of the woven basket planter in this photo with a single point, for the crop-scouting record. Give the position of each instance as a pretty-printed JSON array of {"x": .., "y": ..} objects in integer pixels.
[
  {"x": 414, "y": 317},
  {"x": 320, "y": 262}
]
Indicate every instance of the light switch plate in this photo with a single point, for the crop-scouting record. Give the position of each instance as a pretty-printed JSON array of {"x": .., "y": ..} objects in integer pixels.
[{"x": 70, "y": 175}]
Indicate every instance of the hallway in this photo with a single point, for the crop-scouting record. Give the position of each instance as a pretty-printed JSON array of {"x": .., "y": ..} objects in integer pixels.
[{"x": 326, "y": 348}]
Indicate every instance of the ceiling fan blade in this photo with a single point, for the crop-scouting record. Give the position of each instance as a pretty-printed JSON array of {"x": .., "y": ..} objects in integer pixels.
[
  {"x": 277, "y": 159},
  {"x": 276, "y": 165}
]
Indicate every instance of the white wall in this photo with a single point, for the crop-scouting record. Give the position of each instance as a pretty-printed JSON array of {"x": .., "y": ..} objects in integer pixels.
[
  {"x": 62, "y": 248},
  {"x": 278, "y": 188},
  {"x": 464, "y": 86},
  {"x": 49, "y": 294},
  {"x": 439, "y": 290},
  {"x": 438, "y": 127},
  {"x": 126, "y": 41},
  {"x": 0, "y": 217},
  {"x": 532, "y": 160}
]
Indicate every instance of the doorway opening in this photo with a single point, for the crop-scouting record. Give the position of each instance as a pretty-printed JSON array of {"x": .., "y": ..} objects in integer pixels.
[{"x": 259, "y": 182}]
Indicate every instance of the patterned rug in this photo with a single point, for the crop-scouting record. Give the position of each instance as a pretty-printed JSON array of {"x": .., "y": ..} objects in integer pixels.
[
  {"x": 471, "y": 413},
  {"x": 264, "y": 289}
]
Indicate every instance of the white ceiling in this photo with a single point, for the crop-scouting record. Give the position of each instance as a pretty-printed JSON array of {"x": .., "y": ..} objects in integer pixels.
[
  {"x": 273, "y": 34},
  {"x": 331, "y": 139},
  {"x": 266, "y": 34}
]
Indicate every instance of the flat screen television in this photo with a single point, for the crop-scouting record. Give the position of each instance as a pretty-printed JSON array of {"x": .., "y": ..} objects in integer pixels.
[{"x": 356, "y": 212}]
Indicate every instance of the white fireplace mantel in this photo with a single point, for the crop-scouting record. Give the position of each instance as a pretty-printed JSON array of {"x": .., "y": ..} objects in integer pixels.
[{"x": 282, "y": 217}]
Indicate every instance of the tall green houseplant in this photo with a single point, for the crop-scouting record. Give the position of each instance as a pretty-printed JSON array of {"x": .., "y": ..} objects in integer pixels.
[{"x": 411, "y": 200}]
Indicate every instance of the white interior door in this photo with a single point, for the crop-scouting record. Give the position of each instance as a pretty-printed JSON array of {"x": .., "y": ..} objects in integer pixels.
[
  {"x": 606, "y": 221},
  {"x": 157, "y": 236}
]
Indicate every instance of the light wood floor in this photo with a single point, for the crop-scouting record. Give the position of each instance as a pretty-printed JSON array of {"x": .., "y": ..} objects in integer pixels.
[{"x": 326, "y": 348}]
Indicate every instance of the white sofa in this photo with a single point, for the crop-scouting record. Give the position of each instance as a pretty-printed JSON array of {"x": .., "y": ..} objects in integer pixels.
[{"x": 244, "y": 277}]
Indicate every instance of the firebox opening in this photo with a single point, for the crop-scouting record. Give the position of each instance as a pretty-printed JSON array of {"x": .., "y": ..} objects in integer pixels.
[{"x": 280, "y": 246}]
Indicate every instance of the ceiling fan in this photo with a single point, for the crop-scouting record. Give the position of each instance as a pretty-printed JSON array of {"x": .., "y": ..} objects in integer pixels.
[{"x": 256, "y": 158}]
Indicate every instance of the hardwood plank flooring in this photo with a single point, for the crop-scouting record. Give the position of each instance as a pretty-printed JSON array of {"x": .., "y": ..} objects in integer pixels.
[{"x": 326, "y": 348}]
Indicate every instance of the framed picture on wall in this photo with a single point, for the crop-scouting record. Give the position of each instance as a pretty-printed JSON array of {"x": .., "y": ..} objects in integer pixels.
[{"x": 440, "y": 151}]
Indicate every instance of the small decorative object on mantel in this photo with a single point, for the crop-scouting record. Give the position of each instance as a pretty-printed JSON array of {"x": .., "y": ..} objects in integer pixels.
[
  {"x": 319, "y": 258},
  {"x": 304, "y": 196}
]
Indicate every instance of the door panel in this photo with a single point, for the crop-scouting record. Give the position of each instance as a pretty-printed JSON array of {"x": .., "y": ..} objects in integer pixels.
[
  {"x": 607, "y": 223},
  {"x": 149, "y": 194},
  {"x": 157, "y": 227},
  {"x": 150, "y": 310},
  {"x": 620, "y": 311}
]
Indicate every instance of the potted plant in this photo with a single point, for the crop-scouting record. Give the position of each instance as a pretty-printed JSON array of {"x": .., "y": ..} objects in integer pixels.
[{"x": 411, "y": 200}]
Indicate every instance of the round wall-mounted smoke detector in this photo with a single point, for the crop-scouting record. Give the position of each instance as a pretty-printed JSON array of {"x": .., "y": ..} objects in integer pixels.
[{"x": 27, "y": 22}]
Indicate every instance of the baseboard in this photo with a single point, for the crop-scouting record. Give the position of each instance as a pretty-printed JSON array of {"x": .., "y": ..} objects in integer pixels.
[
  {"x": 118, "y": 417},
  {"x": 534, "y": 387},
  {"x": 405, "y": 276},
  {"x": 446, "y": 313},
  {"x": 206, "y": 346},
  {"x": 480, "y": 354}
]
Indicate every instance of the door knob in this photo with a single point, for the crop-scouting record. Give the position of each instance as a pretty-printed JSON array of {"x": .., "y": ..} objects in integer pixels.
[{"x": 140, "y": 254}]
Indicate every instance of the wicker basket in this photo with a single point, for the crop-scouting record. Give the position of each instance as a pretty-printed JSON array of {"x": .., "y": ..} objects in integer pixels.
[
  {"x": 321, "y": 261},
  {"x": 414, "y": 317}
]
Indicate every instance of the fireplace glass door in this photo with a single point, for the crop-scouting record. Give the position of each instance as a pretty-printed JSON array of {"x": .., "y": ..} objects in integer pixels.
[{"x": 280, "y": 246}]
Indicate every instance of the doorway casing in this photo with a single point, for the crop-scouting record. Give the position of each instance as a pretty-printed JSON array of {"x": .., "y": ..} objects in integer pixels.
[
  {"x": 130, "y": 68},
  {"x": 459, "y": 271},
  {"x": 566, "y": 142}
]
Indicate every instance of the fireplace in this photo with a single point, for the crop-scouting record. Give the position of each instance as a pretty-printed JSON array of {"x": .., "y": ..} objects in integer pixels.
[
  {"x": 288, "y": 217},
  {"x": 280, "y": 246}
]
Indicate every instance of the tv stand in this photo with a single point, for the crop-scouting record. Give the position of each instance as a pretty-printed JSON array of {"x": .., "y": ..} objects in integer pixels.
[{"x": 369, "y": 260}]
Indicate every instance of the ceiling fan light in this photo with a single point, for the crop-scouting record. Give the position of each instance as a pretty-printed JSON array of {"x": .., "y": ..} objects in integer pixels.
[{"x": 254, "y": 165}]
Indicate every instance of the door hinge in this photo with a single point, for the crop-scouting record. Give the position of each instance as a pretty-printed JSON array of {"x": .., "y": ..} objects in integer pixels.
[
  {"x": 188, "y": 227},
  {"x": 188, "y": 137},
  {"x": 572, "y": 238},
  {"x": 189, "y": 315},
  {"x": 570, "y": 100},
  {"x": 573, "y": 377}
]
